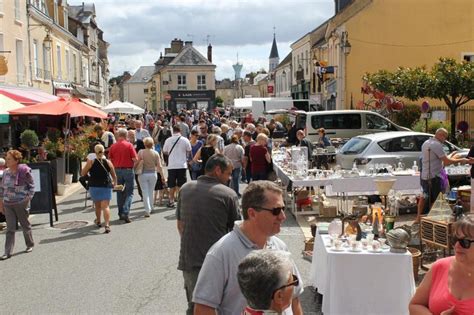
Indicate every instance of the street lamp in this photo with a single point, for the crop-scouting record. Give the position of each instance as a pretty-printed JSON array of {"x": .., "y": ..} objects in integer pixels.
[
  {"x": 47, "y": 42},
  {"x": 345, "y": 45}
]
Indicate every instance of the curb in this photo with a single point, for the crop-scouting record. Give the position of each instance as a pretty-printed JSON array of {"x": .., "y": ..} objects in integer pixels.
[{"x": 70, "y": 190}]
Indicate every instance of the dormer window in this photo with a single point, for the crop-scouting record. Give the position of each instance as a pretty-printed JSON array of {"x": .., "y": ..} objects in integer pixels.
[
  {"x": 40, "y": 5},
  {"x": 56, "y": 15}
]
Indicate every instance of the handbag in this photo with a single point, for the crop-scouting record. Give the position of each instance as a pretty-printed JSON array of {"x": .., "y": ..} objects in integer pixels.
[
  {"x": 166, "y": 155},
  {"x": 108, "y": 177},
  {"x": 138, "y": 169},
  {"x": 196, "y": 166}
]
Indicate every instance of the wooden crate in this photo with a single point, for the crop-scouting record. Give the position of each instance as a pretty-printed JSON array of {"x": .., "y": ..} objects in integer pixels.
[{"x": 437, "y": 233}]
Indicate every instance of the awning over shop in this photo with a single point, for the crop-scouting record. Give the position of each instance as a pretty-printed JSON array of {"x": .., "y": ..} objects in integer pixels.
[
  {"x": 7, "y": 104},
  {"x": 90, "y": 102},
  {"x": 25, "y": 95}
]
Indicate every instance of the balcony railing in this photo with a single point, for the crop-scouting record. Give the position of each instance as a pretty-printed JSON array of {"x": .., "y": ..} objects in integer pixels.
[
  {"x": 46, "y": 75},
  {"x": 38, "y": 73}
]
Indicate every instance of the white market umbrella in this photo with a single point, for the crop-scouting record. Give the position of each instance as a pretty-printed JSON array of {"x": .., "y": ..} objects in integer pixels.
[{"x": 125, "y": 108}]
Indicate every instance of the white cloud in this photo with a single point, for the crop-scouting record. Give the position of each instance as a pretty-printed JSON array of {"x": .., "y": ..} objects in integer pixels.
[{"x": 139, "y": 30}]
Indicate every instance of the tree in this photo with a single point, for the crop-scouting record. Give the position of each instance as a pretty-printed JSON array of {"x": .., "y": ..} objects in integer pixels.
[
  {"x": 448, "y": 80},
  {"x": 219, "y": 101}
]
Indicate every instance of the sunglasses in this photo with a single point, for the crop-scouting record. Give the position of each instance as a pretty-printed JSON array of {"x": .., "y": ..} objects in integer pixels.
[
  {"x": 275, "y": 211},
  {"x": 464, "y": 242},
  {"x": 100, "y": 152},
  {"x": 295, "y": 281}
]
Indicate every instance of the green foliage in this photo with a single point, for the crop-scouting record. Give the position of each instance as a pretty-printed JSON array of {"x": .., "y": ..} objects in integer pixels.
[
  {"x": 408, "y": 116},
  {"x": 219, "y": 101},
  {"x": 448, "y": 80},
  {"x": 29, "y": 139},
  {"x": 433, "y": 125}
]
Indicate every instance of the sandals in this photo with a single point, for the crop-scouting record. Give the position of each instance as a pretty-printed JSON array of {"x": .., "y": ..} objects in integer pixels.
[
  {"x": 97, "y": 223},
  {"x": 107, "y": 229}
]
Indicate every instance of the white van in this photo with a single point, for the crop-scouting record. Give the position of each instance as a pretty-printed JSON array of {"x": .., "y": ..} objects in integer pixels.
[
  {"x": 264, "y": 106},
  {"x": 343, "y": 123}
]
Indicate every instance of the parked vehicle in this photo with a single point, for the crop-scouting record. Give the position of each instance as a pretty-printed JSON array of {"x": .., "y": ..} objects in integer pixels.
[
  {"x": 343, "y": 123},
  {"x": 387, "y": 148}
]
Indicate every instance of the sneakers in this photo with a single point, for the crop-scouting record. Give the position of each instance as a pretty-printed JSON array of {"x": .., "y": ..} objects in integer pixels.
[
  {"x": 28, "y": 249},
  {"x": 127, "y": 219},
  {"x": 5, "y": 257},
  {"x": 147, "y": 215},
  {"x": 170, "y": 205}
]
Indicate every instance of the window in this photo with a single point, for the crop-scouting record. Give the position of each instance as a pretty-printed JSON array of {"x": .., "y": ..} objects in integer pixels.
[
  {"x": 336, "y": 121},
  {"x": 469, "y": 57},
  {"x": 201, "y": 82},
  {"x": 36, "y": 68},
  {"x": 68, "y": 71},
  {"x": 182, "y": 82},
  {"x": 401, "y": 144},
  {"x": 58, "y": 56},
  {"x": 306, "y": 64},
  {"x": 1, "y": 7},
  {"x": 20, "y": 67},
  {"x": 40, "y": 5},
  {"x": 46, "y": 66},
  {"x": 56, "y": 11},
  {"x": 17, "y": 10},
  {"x": 74, "y": 64},
  {"x": 355, "y": 146},
  {"x": 376, "y": 122},
  {"x": 65, "y": 16}
]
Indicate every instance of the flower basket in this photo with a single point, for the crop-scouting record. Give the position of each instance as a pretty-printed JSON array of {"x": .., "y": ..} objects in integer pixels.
[{"x": 416, "y": 258}]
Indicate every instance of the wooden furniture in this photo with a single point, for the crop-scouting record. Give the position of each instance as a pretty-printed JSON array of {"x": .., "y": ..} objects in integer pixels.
[{"x": 436, "y": 231}]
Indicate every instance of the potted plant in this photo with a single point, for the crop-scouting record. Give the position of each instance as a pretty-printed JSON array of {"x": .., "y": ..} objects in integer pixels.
[
  {"x": 29, "y": 139},
  {"x": 78, "y": 150}
]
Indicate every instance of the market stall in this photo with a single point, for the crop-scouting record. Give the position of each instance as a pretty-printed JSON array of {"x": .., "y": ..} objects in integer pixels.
[{"x": 361, "y": 282}]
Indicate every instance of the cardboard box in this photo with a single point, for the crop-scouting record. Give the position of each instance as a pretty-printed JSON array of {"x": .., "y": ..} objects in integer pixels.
[{"x": 327, "y": 211}]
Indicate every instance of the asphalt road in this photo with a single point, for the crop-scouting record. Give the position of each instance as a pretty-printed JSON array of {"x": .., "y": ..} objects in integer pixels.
[{"x": 130, "y": 270}]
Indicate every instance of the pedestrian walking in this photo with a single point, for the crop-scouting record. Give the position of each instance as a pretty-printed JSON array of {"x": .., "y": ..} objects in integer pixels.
[
  {"x": 217, "y": 288},
  {"x": 177, "y": 148},
  {"x": 16, "y": 191},
  {"x": 235, "y": 153},
  {"x": 205, "y": 152},
  {"x": 206, "y": 211},
  {"x": 101, "y": 180},
  {"x": 123, "y": 156},
  {"x": 150, "y": 163},
  {"x": 195, "y": 167},
  {"x": 260, "y": 158}
]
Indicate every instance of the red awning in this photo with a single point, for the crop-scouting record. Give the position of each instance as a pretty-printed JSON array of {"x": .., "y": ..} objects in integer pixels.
[
  {"x": 73, "y": 108},
  {"x": 26, "y": 96}
]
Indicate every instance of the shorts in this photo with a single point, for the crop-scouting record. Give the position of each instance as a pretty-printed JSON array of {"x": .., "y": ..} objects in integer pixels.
[
  {"x": 176, "y": 177},
  {"x": 435, "y": 190}
]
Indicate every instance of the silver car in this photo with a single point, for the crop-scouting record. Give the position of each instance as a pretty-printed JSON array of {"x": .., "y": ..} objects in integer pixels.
[{"x": 387, "y": 148}]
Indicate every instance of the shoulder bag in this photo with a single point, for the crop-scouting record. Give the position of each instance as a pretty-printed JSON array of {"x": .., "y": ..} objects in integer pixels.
[
  {"x": 109, "y": 178},
  {"x": 138, "y": 169},
  {"x": 166, "y": 155}
]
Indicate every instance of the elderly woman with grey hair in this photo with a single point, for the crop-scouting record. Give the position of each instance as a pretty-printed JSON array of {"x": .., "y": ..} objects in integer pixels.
[{"x": 267, "y": 281}]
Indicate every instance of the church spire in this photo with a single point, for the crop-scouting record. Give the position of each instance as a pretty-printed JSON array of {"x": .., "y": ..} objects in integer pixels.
[{"x": 274, "y": 59}]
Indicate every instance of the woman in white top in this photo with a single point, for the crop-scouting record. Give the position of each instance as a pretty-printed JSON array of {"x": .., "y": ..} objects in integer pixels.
[
  {"x": 235, "y": 152},
  {"x": 148, "y": 177}
]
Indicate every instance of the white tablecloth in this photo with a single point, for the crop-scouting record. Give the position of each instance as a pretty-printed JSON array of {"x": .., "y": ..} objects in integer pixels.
[
  {"x": 366, "y": 185},
  {"x": 362, "y": 283}
]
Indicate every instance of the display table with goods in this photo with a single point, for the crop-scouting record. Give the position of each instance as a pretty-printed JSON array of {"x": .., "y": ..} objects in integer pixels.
[
  {"x": 361, "y": 277},
  {"x": 291, "y": 167}
]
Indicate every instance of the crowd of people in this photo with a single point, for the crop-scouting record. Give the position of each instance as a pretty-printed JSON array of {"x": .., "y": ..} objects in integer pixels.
[{"x": 230, "y": 257}]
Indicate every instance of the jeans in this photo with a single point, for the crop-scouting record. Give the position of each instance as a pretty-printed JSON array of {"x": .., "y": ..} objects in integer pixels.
[
  {"x": 147, "y": 182},
  {"x": 235, "y": 179},
  {"x": 125, "y": 177}
]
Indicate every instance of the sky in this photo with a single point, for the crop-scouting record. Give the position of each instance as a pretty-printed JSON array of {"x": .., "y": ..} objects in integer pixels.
[{"x": 139, "y": 30}]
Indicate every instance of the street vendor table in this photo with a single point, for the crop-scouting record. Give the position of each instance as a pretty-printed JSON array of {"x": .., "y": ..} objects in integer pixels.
[
  {"x": 292, "y": 184},
  {"x": 366, "y": 186},
  {"x": 362, "y": 282}
]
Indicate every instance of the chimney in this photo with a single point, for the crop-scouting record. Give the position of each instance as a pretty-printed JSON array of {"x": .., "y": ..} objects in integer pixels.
[
  {"x": 167, "y": 51},
  {"x": 188, "y": 43},
  {"x": 176, "y": 45},
  {"x": 209, "y": 53}
]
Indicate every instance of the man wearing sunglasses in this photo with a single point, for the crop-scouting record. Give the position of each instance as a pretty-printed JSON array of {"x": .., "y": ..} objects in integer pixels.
[
  {"x": 217, "y": 287},
  {"x": 267, "y": 281}
]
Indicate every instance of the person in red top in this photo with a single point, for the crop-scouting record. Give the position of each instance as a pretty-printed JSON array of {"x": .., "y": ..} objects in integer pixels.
[
  {"x": 123, "y": 157},
  {"x": 260, "y": 158},
  {"x": 448, "y": 288}
]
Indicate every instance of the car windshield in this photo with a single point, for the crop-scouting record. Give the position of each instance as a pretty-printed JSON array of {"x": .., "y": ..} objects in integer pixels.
[{"x": 355, "y": 146}]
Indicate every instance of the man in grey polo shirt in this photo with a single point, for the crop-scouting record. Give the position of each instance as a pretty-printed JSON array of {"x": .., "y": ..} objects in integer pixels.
[
  {"x": 217, "y": 287},
  {"x": 207, "y": 210},
  {"x": 433, "y": 159}
]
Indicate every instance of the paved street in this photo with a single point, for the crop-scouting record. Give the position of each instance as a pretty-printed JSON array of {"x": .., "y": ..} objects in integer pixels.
[{"x": 131, "y": 270}]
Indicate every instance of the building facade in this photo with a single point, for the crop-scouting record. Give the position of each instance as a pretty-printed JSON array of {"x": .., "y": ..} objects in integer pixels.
[
  {"x": 301, "y": 63},
  {"x": 135, "y": 89}
]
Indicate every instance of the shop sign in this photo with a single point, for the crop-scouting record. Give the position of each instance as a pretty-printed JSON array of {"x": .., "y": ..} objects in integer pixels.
[
  {"x": 4, "y": 119},
  {"x": 167, "y": 97}
]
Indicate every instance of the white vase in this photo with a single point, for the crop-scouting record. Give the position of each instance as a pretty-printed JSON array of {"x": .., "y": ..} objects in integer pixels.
[
  {"x": 61, "y": 189},
  {"x": 68, "y": 179}
]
